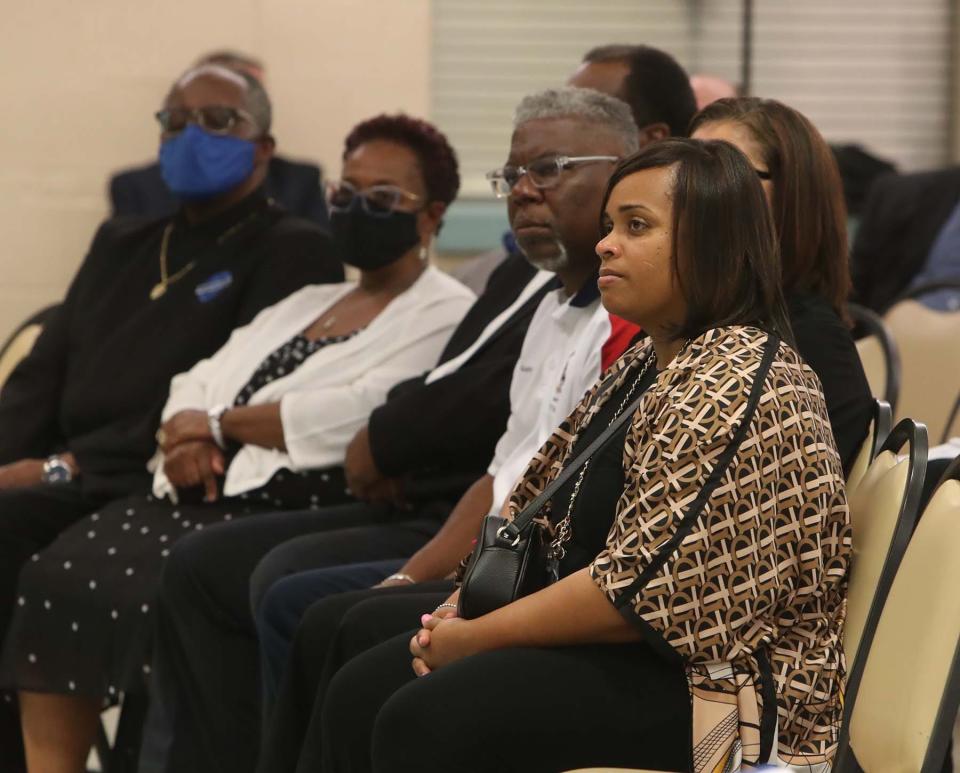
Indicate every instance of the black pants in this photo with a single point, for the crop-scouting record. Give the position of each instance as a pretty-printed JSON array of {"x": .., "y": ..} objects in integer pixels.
[
  {"x": 206, "y": 714},
  {"x": 525, "y": 710},
  {"x": 332, "y": 632},
  {"x": 30, "y": 519}
]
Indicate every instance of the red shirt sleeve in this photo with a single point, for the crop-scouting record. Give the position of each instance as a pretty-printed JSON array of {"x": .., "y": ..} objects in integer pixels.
[{"x": 621, "y": 334}]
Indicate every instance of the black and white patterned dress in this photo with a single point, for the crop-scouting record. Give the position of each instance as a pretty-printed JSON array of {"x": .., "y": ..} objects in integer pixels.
[{"x": 84, "y": 618}]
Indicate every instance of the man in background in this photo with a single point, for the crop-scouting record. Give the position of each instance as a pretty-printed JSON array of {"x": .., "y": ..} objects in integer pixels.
[
  {"x": 656, "y": 89},
  {"x": 909, "y": 236},
  {"x": 654, "y": 86},
  {"x": 78, "y": 415},
  {"x": 294, "y": 185},
  {"x": 709, "y": 88}
]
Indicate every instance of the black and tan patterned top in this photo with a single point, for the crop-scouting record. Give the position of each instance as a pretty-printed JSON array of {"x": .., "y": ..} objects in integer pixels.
[{"x": 731, "y": 542}]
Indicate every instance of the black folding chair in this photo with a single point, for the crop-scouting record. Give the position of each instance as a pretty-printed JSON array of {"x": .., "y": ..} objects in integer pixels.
[{"x": 121, "y": 756}]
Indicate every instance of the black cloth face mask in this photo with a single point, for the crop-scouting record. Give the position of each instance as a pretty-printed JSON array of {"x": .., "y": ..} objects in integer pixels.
[{"x": 373, "y": 241}]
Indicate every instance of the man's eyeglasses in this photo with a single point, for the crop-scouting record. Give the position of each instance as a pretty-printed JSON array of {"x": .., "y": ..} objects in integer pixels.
[
  {"x": 216, "y": 119},
  {"x": 543, "y": 172},
  {"x": 377, "y": 200}
]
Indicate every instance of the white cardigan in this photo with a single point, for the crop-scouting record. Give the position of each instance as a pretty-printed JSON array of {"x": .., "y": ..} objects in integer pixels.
[{"x": 329, "y": 397}]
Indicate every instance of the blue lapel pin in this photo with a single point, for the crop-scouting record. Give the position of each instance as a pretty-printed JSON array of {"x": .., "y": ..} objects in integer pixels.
[{"x": 213, "y": 286}]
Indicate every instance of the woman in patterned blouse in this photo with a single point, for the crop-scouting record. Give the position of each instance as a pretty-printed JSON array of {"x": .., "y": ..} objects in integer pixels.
[{"x": 697, "y": 621}]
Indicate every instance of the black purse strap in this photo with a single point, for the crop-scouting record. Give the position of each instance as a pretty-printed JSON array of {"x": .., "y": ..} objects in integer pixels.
[{"x": 510, "y": 532}]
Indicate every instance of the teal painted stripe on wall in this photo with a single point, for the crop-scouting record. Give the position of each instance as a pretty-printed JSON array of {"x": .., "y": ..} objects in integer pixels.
[{"x": 473, "y": 226}]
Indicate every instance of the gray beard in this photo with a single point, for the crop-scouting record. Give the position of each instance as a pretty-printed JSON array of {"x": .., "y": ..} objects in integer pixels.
[{"x": 554, "y": 264}]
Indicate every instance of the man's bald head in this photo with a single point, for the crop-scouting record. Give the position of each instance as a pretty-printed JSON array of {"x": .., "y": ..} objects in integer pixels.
[
  {"x": 239, "y": 88},
  {"x": 236, "y": 60},
  {"x": 710, "y": 88}
]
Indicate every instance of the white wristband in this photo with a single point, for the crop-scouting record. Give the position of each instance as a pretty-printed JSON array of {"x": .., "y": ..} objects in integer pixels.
[{"x": 402, "y": 577}]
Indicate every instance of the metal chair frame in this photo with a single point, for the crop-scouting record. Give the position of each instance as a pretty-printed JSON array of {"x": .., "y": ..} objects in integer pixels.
[
  {"x": 950, "y": 420},
  {"x": 882, "y": 424},
  {"x": 875, "y": 327},
  {"x": 122, "y": 756}
]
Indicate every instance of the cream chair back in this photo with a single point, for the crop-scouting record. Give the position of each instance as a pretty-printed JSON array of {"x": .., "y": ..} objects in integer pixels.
[
  {"x": 17, "y": 348},
  {"x": 883, "y": 512},
  {"x": 21, "y": 341},
  {"x": 879, "y": 429},
  {"x": 878, "y": 354},
  {"x": 908, "y": 694},
  {"x": 874, "y": 511},
  {"x": 928, "y": 342}
]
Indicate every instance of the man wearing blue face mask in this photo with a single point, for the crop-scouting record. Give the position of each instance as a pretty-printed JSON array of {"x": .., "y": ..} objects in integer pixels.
[
  {"x": 295, "y": 185},
  {"x": 215, "y": 142},
  {"x": 152, "y": 297}
]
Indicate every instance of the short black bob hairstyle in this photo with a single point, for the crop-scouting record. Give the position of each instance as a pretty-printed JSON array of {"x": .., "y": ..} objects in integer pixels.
[
  {"x": 725, "y": 254},
  {"x": 438, "y": 160}
]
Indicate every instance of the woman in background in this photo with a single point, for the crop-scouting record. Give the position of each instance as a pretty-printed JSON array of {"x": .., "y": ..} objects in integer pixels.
[{"x": 803, "y": 186}]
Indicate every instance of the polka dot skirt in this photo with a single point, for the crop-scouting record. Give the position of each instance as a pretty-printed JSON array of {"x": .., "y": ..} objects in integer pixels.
[{"x": 84, "y": 610}]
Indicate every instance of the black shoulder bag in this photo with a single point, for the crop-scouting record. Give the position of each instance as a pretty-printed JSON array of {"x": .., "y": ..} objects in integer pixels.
[{"x": 512, "y": 559}]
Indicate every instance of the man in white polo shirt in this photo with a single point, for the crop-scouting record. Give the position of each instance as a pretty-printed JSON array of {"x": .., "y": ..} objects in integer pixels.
[
  {"x": 562, "y": 356},
  {"x": 564, "y": 146}
]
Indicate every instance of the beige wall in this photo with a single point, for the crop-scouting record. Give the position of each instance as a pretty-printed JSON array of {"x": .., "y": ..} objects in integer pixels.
[{"x": 79, "y": 82}]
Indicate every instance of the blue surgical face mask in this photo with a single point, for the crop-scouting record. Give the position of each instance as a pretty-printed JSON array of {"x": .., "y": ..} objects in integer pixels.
[{"x": 196, "y": 164}]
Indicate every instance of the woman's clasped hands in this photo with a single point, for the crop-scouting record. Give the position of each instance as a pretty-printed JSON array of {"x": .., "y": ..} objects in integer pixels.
[
  {"x": 191, "y": 458},
  {"x": 444, "y": 639}
]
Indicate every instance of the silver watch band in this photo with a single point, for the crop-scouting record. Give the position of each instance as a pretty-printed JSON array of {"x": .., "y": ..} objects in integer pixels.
[
  {"x": 213, "y": 422},
  {"x": 402, "y": 577},
  {"x": 56, "y": 470}
]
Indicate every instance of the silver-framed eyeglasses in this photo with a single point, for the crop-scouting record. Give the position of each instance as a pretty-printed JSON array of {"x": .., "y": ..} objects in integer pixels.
[
  {"x": 377, "y": 200},
  {"x": 216, "y": 119},
  {"x": 543, "y": 172}
]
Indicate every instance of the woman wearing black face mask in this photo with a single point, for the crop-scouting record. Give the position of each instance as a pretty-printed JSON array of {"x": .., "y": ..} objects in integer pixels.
[{"x": 261, "y": 425}]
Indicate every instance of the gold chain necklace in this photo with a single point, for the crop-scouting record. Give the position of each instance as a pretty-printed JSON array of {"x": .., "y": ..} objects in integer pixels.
[{"x": 160, "y": 288}]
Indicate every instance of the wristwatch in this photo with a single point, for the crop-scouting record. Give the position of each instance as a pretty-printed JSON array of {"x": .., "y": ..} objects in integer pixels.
[
  {"x": 56, "y": 470},
  {"x": 213, "y": 422}
]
